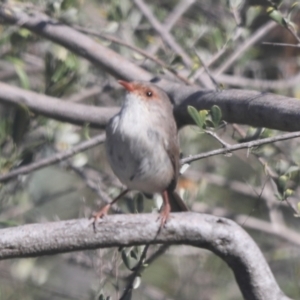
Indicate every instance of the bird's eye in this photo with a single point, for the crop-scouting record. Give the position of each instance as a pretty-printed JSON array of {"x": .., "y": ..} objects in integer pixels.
[{"x": 149, "y": 94}]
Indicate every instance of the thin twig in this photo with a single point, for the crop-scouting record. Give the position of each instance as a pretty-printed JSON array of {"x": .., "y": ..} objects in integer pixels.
[
  {"x": 281, "y": 231},
  {"x": 261, "y": 84},
  {"x": 293, "y": 33},
  {"x": 207, "y": 70},
  {"x": 85, "y": 94},
  {"x": 166, "y": 36},
  {"x": 55, "y": 158},
  {"x": 170, "y": 21},
  {"x": 137, "y": 270},
  {"x": 215, "y": 136},
  {"x": 282, "y": 44},
  {"x": 236, "y": 147},
  {"x": 256, "y": 36},
  {"x": 136, "y": 49}
]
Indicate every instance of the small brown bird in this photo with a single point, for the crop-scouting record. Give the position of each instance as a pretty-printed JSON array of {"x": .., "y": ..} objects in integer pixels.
[{"x": 142, "y": 146}]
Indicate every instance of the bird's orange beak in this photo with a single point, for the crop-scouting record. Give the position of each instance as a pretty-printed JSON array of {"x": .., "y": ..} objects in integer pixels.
[{"x": 127, "y": 85}]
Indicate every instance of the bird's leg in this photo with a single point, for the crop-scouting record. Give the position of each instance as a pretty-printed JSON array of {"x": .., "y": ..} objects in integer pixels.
[
  {"x": 104, "y": 210},
  {"x": 165, "y": 211}
]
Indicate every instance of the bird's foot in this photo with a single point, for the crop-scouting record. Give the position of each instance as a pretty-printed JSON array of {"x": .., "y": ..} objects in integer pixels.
[
  {"x": 99, "y": 215},
  {"x": 164, "y": 215}
]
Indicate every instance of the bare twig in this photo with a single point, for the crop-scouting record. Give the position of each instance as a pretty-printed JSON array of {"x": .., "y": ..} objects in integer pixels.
[
  {"x": 171, "y": 20},
  {"x": 247, "y": 221},
  {"x": 166, "y": 36},
  {"x": 293, "y": 33},
  {"x": 256, "y": 37},
  {"x": 136, "y": 49},
  {"x": 236, "y": 147},
  {"x": 96, "y": 188},
  {"x": 133, "y": 276},
  {"x": 261, "y": 84},
  {"x": 85, "y": 94},
  {"x": 55, "y": 158},
  {"x": 216, "y": 137},
  {"x": 282, "y": 44},
  {"x": 211, "y": 77}
]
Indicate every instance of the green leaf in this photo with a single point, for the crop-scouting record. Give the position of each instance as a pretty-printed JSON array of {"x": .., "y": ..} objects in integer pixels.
[
  {"x": 101, "y": 297},
  {"x": 177, "y": 59},
  {"x": 139, "y": 203},
  {"x": 216, "y": 115},
  {"x": 86, "y": 131},
  {"x": 125, "y": 258},
  {"x": 277, "y": 16},
  {"x": 288, "y": 193},
  {"x": 22, "y": 77},
  {"x": 25, "y": 33},
  {"x": 195, "y": 116},
  {"x": 133, "y": 253},
  {"x": 203, "y": 114},
  {"x": 137, "y": 282},
  {"x": 292, "y": 171},
  {"x": 198, "y": 116},
  {"x": 282, "y": 182}
]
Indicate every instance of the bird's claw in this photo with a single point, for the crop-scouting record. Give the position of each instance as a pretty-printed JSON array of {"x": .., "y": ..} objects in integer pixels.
[
  {"x": 99, "y": 215},
  {"x": 163, "y": 217}
]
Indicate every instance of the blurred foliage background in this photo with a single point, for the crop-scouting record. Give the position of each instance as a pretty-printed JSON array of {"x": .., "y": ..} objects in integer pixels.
[{"x": 248, "y": 187}]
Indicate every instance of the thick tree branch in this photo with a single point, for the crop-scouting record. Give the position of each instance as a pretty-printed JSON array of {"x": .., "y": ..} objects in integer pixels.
[
  {"x": 238, "y": 106},
  {"x": 223, "y": 237},
  {"x": 74, "y": 113},
  {"x": 253, "y": 108}
]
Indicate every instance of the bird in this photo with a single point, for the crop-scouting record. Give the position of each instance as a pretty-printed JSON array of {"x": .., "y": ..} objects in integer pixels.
[{"x": 142, "y": 146}]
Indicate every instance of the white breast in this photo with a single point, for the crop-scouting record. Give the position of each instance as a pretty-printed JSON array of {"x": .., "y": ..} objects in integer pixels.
[{"x": 136, "y": 152}]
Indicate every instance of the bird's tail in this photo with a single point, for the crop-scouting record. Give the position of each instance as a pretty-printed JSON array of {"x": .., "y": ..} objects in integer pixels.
[{"x": 177, "y": 204}]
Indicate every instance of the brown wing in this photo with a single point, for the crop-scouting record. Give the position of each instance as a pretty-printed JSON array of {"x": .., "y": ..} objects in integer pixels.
[{"x": 172, "y": 148}]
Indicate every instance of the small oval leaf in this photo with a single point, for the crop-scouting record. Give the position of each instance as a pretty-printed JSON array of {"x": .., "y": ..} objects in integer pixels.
[
  {"x": 133, "y": 253},
  {"x": 216, "y": 115},
  {"x": 137, "y": 282},
  {"x": 195, "y": 116},
  {"x": 125, "y": 259},
  {"x": 140, "y": 203},
  {"x": 282, "y": 182}
]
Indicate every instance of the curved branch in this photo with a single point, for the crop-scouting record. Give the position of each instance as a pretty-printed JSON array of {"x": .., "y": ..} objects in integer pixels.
[{"x": 223, "y": 237}]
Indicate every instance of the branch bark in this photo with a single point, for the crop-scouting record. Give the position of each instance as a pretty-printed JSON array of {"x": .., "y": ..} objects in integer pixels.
[
  {"x": 55, "y": 108},
  {"x": 238, "y": 106},
  {"x": 223, "y": 237}
]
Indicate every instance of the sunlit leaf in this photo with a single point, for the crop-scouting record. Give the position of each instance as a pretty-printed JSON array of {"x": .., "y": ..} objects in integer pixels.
[{"x": 137, "y": 282}]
